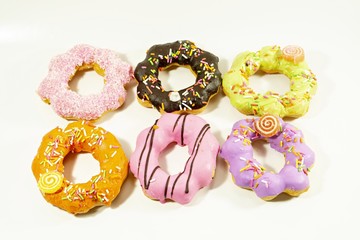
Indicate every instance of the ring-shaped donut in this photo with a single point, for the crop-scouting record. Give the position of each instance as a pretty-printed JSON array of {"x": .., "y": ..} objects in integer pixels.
[
  {"x": 55, "y": 90},
  {"x": 271, "y": 59},
  {"x": 101, "y": 189},
  {"x": 185, "y": 130},
  {"x": 192, "y": 99},
  {"x": 248, "y": 173}
]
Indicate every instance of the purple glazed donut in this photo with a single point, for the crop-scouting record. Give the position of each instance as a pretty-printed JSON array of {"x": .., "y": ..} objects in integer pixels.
[{"x": 248, "y": 173}]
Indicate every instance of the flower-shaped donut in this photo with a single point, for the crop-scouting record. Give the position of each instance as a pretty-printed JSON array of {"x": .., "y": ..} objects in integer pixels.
[
  {"x": 54, "y": 89},
  {"x": 271, "y": 59},
  {"x": 248, "y": 173},
  {"x": 101, "y": 189}
]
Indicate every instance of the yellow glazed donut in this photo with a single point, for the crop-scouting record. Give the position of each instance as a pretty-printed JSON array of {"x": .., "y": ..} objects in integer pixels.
[
  {"x": 271, "y": 59},
  {"x": 101, "y": 189}
]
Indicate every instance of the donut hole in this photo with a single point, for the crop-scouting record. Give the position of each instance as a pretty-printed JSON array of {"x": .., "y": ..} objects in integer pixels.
[
  {"x": 173, "y": 159},
  {"x": 271, "y": 159},
  {"x": 176, "y": 78},
  {"x": 80, "y": 167},
  {"x": 86, "y": 82},
  {"x": 263, "y": 82}
]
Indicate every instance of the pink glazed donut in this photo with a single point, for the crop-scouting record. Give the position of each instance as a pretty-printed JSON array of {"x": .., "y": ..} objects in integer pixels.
[
  {"x": 284, "y": 138},
  {"x": 184, "y": 130},
  {"x": 55, "y": 90}
]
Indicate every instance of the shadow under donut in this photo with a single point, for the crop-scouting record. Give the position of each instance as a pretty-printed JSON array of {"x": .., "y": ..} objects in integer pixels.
[{"x": 126, "y": 190}]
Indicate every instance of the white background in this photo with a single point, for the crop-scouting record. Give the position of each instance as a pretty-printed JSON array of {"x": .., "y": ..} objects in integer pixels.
[{"x": 32, "y": 32}]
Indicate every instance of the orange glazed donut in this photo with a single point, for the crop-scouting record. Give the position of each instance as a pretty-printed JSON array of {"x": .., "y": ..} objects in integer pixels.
[{"x": 101, "y": 189}]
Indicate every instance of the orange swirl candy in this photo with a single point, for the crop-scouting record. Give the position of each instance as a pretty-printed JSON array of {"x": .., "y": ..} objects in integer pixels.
[
  {"x": 293, "y": 54},
  {"x": 101, "y": 189},
  {"x": 267, "y": 126}
]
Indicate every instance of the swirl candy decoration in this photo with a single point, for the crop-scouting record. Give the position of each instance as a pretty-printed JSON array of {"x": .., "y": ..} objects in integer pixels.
[
  {"x": 267, "y": 126},
  {"x": 293, "y": 54},
  {"x": 50, "y": 182}
]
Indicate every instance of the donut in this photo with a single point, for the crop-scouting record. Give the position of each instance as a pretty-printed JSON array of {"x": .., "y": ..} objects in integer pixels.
[
  {"x": 271, "y": 59},
  {"x": 101, "y": 189},
  {"x": 192, "y": 99},
  {"x": 185, "y": 130},
  {"x": 248, "y": 173},
  {"x": 55, "y": 90}
]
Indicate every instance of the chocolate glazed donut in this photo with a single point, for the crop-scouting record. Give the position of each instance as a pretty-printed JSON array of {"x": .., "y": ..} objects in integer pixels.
[{"x": 192, "y": 99}]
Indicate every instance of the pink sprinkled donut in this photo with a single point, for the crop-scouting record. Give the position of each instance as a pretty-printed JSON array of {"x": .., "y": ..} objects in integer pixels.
[
  {"x": 186, "y": 130},
  {"x": 55, "y": 90}
]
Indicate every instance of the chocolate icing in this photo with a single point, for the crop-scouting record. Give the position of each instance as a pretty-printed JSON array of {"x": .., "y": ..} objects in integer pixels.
[{"x": 195, "y": 97}]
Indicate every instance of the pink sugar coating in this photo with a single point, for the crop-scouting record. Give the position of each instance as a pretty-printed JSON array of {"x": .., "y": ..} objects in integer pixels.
[{"x": 72, "y": 105}]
